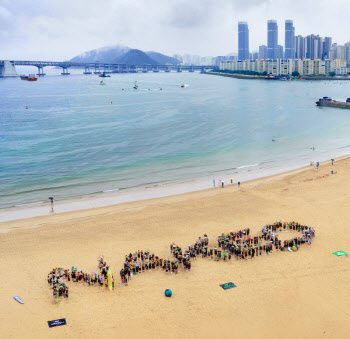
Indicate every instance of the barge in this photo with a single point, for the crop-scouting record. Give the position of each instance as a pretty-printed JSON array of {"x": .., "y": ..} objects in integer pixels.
[{"x": 326, "y": 101}]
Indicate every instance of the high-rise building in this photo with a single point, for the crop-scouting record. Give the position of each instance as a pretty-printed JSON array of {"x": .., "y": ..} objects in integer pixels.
[
  {"x": 300, "y": 47},
  {"x": 243, "y": 40},
  {"x": 314, "y": 47},
  {"x": 178, "y": 57},
  {"x": 254, "y": 56},
  {"x": 262, "y": 52},
  {"x": 347, "y": 53},
  {"x": 272, "y": 39},
  {"x": 327, "y": 44},
  {"x": 289, "y": 40},
  {"x": 279, "y": 52}
]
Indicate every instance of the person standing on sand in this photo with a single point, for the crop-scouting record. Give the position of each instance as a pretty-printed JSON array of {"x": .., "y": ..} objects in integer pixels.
[
  {"x": 332, "y": 161},
  {"x": 51, "y": 198},
  {"x": 222, "y": 184},
  {"x": 317, "y": 165},
  {"x": 239, "y": 183},
  {"x": 231, "y": 180},
  {"x": 213, "y": 182}
]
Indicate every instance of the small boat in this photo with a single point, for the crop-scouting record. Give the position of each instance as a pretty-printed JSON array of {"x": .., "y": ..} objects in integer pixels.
[
  {"x": 30, "y": 77},
  {"x": 104, "y": 75},
  {"x": 102, "y": 82},
  {"x": 135, "y": 85},
  {"x": 182, "y": 85}
]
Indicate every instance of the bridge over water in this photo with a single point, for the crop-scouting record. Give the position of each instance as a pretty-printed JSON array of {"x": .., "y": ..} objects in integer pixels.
[{"x": 95, "y": 67}]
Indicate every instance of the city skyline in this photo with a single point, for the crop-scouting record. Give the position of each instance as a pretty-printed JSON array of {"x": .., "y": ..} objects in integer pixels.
[{"x": 61, "y": 30}]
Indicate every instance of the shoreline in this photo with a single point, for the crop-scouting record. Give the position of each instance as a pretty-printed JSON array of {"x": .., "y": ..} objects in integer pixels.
[
  {"x": 262, "y": 77},
  {"x": 107, "y": 203}
]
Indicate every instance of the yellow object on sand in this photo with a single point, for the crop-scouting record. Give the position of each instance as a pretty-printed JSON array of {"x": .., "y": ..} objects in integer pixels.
[{"x": 110, "y": 280}]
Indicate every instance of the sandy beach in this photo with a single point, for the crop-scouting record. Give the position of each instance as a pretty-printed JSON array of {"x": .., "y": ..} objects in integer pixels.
[{"x": 283, "y": 295}]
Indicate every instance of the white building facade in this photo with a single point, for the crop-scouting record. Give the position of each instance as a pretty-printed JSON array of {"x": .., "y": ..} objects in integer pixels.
[{"x": 280, "y": 67}]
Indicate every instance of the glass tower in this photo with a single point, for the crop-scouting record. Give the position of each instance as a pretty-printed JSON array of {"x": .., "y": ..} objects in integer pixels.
[
  {"x": 243, "y": 41},
  {"x": 289, "y": 40},
  {"x": 272, "y": 39}
]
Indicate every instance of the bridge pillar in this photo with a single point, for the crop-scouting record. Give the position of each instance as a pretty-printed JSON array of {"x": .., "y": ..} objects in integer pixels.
[
  {"x": 107, "y": 68},
  {"x": 115, "y": 69},
  {"x": 87, "y": 69},
  {"x": 7, "y": 69},
  {"x": 40, "y": 71},
  {"x": 191, "y": 69},
  {"x": 167, "y": 69},
  {"x": 97, "y": 69},
  {"x": 65, "y": 70},
  {"x": 179, "y": 69}
]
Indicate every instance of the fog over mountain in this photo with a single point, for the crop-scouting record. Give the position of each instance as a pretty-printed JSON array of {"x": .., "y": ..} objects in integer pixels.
[
  {"x": 124, "y": 55},
  {"x": 103, "y": 54}
]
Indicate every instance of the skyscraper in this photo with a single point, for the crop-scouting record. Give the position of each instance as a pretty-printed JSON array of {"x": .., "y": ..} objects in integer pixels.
[
  {"x": 300, "y": 47},
  {"x": 272, "y": 39},
  {"x": 327, "y": 44},
  {"x": 243, "y": 41},
  {"x": 262, "y": 52},
  {"x": 289, "y": 39},
  {"x": 314, "y": 47}
]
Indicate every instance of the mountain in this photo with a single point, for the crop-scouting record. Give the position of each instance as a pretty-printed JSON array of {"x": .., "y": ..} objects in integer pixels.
[
  {"x": 135, "y": 57},
  {"x": 104, "y": 54},
  {"x": 163, "y": 59},
  {"x": 125, "y": 55}
]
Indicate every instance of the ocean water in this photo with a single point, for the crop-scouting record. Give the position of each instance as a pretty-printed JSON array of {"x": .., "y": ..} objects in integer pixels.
[{"x": 78, "y": 138}]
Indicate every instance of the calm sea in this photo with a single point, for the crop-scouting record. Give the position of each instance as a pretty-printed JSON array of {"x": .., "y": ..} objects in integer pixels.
[{"x": 78, "y": 138}]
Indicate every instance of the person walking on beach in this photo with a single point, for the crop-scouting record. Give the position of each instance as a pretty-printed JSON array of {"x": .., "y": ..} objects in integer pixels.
[
  {"x": 332, "y": 161},
  {"x": 317, "y": 165},
  {"x": 213, "y": 182},
  {"x": 222, "y": 184},
  {"x": 231, "y": 180},
  {"x": 239, "y": 183},
  {"x": 51, "y": 198}
]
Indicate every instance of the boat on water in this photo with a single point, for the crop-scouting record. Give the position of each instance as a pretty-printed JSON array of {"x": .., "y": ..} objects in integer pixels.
[
  {"x": 329, "y": 102},
  {"x": 135, "y": 85},
  {"x": 104, "y": 75},
  {"x": 30, "y": 77},
  {"x": 102, "y": 82},
  {"x": 182, "y": 85}
]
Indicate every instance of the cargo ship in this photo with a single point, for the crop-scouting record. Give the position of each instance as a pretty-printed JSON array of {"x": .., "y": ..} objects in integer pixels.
[
  {"x": 30, "y": 77},
  {"x": 326, "y": 101}
]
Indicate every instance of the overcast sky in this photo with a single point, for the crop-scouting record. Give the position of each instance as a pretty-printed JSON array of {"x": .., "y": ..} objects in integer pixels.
[{"x": 61, "y": 29}]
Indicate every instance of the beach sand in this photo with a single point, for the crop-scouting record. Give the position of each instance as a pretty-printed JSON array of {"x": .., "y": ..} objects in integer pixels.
[{"x": 284, "y": 295}]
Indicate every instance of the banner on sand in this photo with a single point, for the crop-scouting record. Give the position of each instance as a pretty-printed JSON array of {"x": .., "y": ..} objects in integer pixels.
[
  {"x": 58, "y": 322},
  {"x": 339, "y": 253},
  {"x": 227, "y": 286}
]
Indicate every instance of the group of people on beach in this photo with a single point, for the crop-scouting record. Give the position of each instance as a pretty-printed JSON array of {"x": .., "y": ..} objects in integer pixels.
[
  {"x": 221, "y": 183},
  {"x": 143, "y": 261},
  {"x": 240, "y": 245},
  {"x": 58, "y": 278}
]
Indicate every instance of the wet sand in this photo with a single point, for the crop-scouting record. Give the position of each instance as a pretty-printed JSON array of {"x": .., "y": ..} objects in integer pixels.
[{"x": 303, "y": 294}]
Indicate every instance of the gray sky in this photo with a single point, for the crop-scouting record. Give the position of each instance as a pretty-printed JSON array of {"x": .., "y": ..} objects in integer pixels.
[{"x": 61, "y": 29}]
